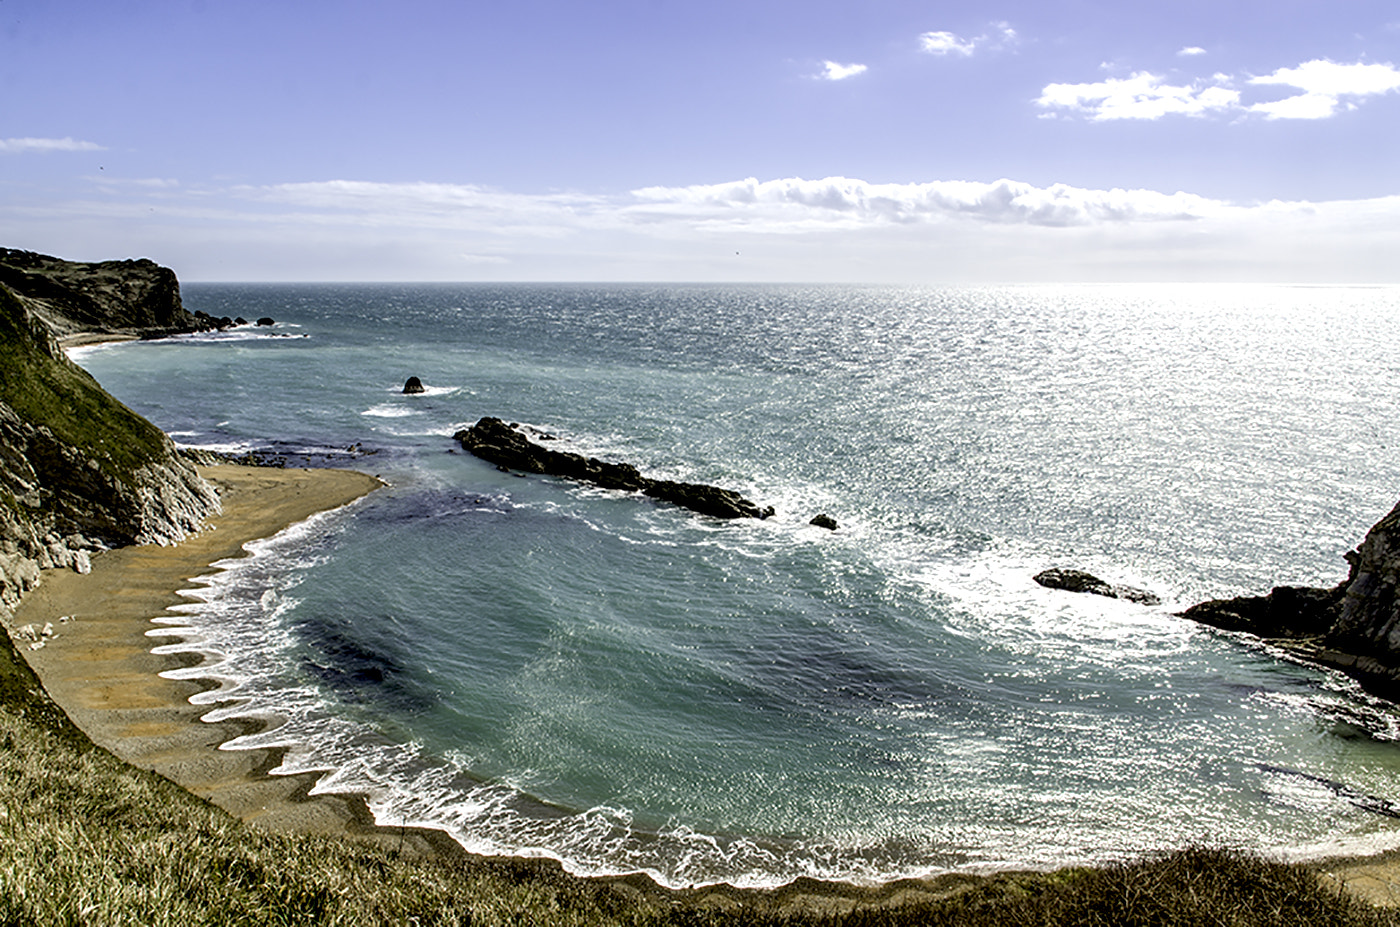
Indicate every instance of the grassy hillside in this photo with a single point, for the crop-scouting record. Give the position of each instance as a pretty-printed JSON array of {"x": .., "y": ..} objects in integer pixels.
[{"x": 46, "y": 388}]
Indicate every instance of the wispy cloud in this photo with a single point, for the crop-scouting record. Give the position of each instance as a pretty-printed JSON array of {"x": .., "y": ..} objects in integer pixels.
[
  {"x": 1191, "y": 51},
  {"x": 1325, "y": 85},
  {"x": 1327, "y": 89},
  {"x": 1000, "y": 36},
  {"x": 831, "y": 70},
  {"x": 44, "y": 145},
  {"x": 1141, "y": 96}
]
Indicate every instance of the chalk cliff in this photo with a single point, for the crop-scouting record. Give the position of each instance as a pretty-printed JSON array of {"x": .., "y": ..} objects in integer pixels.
[{"x": 78, "y": 470}]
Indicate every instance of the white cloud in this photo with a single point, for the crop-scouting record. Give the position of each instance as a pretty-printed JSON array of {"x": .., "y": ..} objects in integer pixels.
[
  {"x": 948, "y": 43},
  {"x": 787, "y": 229},
  {"x": 1191, "y": 51},
  {"x": 42, "y": 145},
  {"x": 833, "y": 71},
  {"x": 794, "y": 204},
  {"x": 1324, "y": 83},
  {"x": 1141, "y": 96},
  {"x": 945, "y": 43}
]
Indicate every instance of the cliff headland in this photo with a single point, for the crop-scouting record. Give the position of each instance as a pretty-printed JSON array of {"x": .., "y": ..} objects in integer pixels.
[
  {"x": 1353, "y": 626},
  {"x": 80, "y": 472}
]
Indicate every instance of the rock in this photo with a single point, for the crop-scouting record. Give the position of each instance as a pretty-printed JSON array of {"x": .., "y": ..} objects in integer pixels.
[
  {"x": 104, "y": 475},
  {"x": 823, "y": 521},
  {"x": 138, "y": 297},
  {"x": 1354, "y": 626},
  {"x": 82, "y": 563},
  {"x": 508, "y": 447},
  {"x": 413, "y": 385},
  {"x": 266, "y": 321},
  {"x": 240, "y": 321},
  {"x": 1079, "y": 581},
  {"x": 1074, "y": 581}
]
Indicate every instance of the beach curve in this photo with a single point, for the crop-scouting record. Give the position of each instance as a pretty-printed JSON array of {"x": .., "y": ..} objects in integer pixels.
[{"x": 100, "y": 670}]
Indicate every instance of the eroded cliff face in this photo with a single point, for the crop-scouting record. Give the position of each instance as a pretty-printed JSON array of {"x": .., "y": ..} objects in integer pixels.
[
  {"x": 78, "y": 470},
  {"x": 1354, "y": 626},
  {"x": 136, "y": 297}
]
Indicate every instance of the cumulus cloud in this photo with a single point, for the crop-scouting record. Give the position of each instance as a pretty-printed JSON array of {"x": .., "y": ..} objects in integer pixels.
[
  {"x": 44, "y": 145},
  {"x": 831, "y": 70},
  {"x": 1141, "y": 96},
  {"x": 1327, "y": 88},
  {"x": 1191, "y": 51},
  {"x": 835, "y": 228},
  {"x": 794, "y": 204},
  {"x": 949, "y": 43}
]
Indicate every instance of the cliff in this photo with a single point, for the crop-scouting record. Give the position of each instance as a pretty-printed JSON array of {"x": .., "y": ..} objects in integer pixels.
[
  {"x": 1354, "y": 626},
  {"x": 78, "y": 470},
  {"x": 127, "y": 298}
]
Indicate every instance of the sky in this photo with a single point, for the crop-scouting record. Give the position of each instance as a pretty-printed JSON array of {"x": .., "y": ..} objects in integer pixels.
[{"x": 885, "y": 141}]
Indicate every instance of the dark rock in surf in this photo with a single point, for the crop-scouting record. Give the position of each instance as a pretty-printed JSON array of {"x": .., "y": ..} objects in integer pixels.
[
  {"x": 240, "y": 321},
  {"x": 1079, "y": 581},
  {"x": 823, "y": 521},
  {"x": 266, "y": 321},
  {"x": 507, "y": 446},
  {"x": 413, "y": 385},
  {"x": 1353, "y": 627}
]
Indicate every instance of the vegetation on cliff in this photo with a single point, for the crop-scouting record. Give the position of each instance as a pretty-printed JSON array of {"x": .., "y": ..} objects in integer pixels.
[{"x": 78, "y": 470}]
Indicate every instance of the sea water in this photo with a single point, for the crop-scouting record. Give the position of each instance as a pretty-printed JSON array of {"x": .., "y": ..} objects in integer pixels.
[{"x": 543, "y": 668}]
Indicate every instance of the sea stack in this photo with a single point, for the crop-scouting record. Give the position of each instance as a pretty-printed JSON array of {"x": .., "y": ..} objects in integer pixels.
[{"x": 413, "y": 385}]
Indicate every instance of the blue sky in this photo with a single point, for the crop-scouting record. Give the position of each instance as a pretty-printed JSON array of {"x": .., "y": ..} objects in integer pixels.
[{"x": 719, "y": 141}]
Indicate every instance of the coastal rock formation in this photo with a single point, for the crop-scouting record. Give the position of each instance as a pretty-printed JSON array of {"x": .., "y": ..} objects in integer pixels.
[
  {"x": 413, "y": 385},
  {"x": 507, "y": 447},
  {"x": 1079, "y": 581},
  {"x": 78, "y": 470},
  {"x": 823, "y": 521},
  {"x": 1354, "y": 626},
  {"x": 128, "y": 298}
]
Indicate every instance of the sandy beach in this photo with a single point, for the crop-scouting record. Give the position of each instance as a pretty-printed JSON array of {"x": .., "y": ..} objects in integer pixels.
[{"x": 100, "y": 670}]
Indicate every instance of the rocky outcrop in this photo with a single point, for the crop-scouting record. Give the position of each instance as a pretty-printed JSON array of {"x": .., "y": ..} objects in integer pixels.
[
  {"x": 122, "y": 298},
  {"x": 508, "y": 447},
  {"x": 1079, "y": 581},
  {"x": 412, "y": 386},
  {"x": 1354, "y": 626},
  {"x": 824, "y": 521},
  {"x": 78, "y": 470}
]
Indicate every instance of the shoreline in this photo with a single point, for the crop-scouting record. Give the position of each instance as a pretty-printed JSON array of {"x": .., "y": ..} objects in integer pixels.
[{"x": 100, "y": 670}]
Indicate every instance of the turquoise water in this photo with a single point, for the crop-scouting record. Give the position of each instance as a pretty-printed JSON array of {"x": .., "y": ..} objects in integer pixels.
[{"x": 544, "y": 668}]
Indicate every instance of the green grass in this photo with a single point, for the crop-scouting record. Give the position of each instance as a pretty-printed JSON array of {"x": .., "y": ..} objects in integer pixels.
[
  {"x": 67, "y": 400},
  {"x": 86, "y": 839}
]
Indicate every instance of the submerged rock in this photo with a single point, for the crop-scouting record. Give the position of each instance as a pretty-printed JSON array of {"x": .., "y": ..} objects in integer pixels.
[
  {"x": 507, "y": 446},
  {"x": 413, "y": 385},
  {"x": 1079, "y": 581}
]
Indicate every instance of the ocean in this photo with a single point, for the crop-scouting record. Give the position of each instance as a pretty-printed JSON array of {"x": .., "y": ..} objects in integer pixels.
[{"x": 543, "y": 668}]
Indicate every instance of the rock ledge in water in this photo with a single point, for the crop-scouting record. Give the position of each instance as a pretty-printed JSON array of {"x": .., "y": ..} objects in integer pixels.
[
  {"x": 506, "y": 446},
  {"x": 1079, "y": 581}
]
